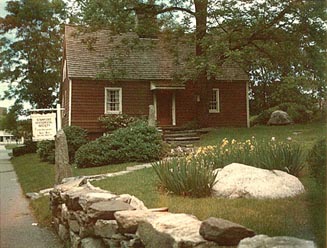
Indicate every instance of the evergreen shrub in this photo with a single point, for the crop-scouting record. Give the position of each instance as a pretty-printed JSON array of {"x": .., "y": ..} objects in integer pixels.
[{"x": 135, "y": 143}]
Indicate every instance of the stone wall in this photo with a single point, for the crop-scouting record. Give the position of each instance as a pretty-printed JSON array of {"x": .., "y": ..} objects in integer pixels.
[{"x": 89, "y": 217}]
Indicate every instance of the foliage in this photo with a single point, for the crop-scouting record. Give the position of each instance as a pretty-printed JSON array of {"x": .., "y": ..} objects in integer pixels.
[
  {"x": 46, "y": 151},
  {"x": 76, "y": 137},
  {"x": 31, "y": 60},
  {"x": 137, "y": 142},
  {"x": 317, "y": 161},
  {"x": 186, "y": 177},
  {"x": 280, "y": 43},
  {"x": 298, "y": 113},
  {"x": 113, "y": 122},
  {"x": 29, "y": 147}
]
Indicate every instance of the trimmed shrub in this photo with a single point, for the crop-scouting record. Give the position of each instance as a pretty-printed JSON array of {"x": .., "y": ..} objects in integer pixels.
[
  {"x": 46, "y": 150},
  {"x": 114, "y": 122},
  {"x": 29, "y": 147},
  {"x": 186, "y": 177},
  {"x": 136, "y": 143},
  {"x": 76, "y": 137},
  {"x": 317, "y": 161}
]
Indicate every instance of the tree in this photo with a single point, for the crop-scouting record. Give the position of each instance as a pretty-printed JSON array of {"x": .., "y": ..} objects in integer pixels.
[
  {"x": 279, "y": 42},
  {"x": 31, "y": 60}
]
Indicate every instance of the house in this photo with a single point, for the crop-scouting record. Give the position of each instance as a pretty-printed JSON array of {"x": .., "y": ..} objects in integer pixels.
[{"x": 105, "y": 74}]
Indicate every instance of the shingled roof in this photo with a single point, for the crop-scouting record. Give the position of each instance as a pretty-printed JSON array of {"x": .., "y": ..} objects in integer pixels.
[{"x": 100, "y": 54}]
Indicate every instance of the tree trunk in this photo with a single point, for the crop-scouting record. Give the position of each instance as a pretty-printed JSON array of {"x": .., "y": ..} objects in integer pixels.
[{"x": 201, "y": 10}]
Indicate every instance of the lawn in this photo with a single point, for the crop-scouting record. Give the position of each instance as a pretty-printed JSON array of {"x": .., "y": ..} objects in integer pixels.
[{"x": 303, "y": 216}]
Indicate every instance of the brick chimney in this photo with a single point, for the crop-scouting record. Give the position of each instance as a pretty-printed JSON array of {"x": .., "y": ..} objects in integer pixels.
[{"x": 146, "y": 23}]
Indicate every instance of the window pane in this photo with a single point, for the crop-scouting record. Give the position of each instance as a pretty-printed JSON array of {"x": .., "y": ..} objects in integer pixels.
[{"x": 113, "y": 100}]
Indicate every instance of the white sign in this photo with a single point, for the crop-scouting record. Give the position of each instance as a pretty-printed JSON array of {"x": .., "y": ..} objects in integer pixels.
[{"x": 43, "y": 126}]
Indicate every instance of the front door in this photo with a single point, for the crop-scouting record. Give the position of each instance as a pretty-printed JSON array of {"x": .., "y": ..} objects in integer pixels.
[{"x": 164, "y": 107}]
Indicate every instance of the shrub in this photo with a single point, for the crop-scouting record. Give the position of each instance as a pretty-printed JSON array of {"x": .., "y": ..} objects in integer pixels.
[
  {"x": 29, "y": 147},
  {"x": 113, "y": 122},
  {"x": 186, "y": 177},
  {"x": 138, "y": 142},
  {"x": 298, "y": 113},
  {"x": 76, "y": 137},
  {"x": 317, "y": 161},
  {"x": 46, "y": 150}
]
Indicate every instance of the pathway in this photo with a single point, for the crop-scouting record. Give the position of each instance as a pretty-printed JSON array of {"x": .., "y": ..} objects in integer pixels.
[{"x": 16, "y": 220}]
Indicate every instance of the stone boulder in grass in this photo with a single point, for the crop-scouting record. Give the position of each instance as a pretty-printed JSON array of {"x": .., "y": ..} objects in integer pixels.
[
  {"x": 279, "y": 117},
  {"x": 243, "y": 181}
]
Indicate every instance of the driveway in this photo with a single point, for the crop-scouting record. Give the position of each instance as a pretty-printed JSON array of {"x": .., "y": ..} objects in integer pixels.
[{"x": 18, "y": 227}]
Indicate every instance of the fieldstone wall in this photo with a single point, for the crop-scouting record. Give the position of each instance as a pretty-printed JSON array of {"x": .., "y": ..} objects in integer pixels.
[{"x": 89, "y": 217}]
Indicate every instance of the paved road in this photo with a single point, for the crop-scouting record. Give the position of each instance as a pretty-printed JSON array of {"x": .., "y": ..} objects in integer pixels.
[{"x": 16, "y": 219}]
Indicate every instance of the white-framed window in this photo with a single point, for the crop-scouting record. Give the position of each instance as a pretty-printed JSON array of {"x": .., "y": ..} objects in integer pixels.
[
  {"x": 214, "y": 106},
  {"x": 113, "y": 100}
]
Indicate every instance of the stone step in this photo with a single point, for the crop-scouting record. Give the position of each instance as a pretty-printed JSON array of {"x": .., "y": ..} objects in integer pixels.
[
  {"x": 191, "y": 138},
  {"x": 188, "y": 134}
]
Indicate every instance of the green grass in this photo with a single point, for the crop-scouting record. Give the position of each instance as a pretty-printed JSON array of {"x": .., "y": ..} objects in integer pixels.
[
  {"x": 11, "y": 146},
  {"x": 35, "y": 175},
  {"x": 305, "y": 134},
  {"x": 303, "y": 216},
  {"x": 271, "y": 217}
]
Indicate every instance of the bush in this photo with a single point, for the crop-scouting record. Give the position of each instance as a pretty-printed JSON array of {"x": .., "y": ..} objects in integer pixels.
[
  {"x": 29, "y": 147},
  {"x": 186, "y": 177},
  {"x": 76, "y": 137},
  {"x": 46, "y": 150},
  {"x": 317, "y": 161},
  {"x": 136, "y": 143},
  {"x": 298, "y": 113},
  {"x": 114, "y": 122}
]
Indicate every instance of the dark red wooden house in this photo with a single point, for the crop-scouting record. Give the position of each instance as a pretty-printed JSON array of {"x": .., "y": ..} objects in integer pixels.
[{"x": 104, "y": 74}]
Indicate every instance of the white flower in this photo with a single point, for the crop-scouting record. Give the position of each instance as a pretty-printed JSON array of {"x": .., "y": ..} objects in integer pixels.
[
  {"x": 289, "y": 138},
  {"x": 273, "y": 138}
]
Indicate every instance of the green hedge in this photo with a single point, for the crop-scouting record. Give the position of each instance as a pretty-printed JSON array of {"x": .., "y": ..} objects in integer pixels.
[
  {"x": 298, "y": 113},
  {"x": 76, "y": 137},
  {"x": 29, "y": 147},
  {"x": 136, "y": 143}
]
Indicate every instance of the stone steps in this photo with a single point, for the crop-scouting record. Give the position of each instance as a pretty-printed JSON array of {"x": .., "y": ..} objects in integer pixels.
[{"x": 179, "y": 136}]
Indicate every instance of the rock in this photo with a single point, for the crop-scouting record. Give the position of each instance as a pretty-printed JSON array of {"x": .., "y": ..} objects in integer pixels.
[
  {"x": 133, "y": 201},
  {"x": 280, "y": 242},
  {"x": 105, "y": 228},
  {"x": 112, "y": 243},
  {"x": 62, "y": 167},
  {"x": 86, "y": 231},
  {"x": 224, "y": 232},
  {"x": 279, "y": 117},
  {"x": 87, "y": 199},
  {"x": 75, "y": 240},
  {"x": 128, "y": 221},
  {"x": 92, "y": 243},
  {"x": 63, "y": 232},
  {"x": 33, "y": 195},
  {"x": 152, "y": 116},
  {"x": 106, "y": 209},
  {"x": 73, "y": 225},
  {"x": 242, "y": 181},
  {"x": 172, "y": 230}
]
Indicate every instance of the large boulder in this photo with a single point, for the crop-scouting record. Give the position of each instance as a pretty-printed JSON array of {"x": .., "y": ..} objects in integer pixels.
[
  {"x": 272, "y": 242},
  {"x": 242, "y": 181},
  {"x": 224, "y": 232},
  {"x": 279, "y": 117}
]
